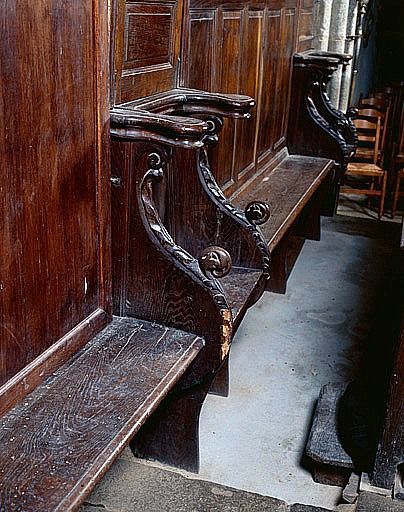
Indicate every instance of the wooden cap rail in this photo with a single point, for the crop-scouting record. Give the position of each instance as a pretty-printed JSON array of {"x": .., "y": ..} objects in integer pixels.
[
  {"x": 174, "y": 131},
  {"x": 194, "y": 101}
]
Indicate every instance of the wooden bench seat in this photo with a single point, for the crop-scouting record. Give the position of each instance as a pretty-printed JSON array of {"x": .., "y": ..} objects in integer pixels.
[
  {"x": 64, "y": 436},
  {"x": 287, "y": 189},
  {"x": 239, "y": 286},
  {"x": 292, "y": 191}
]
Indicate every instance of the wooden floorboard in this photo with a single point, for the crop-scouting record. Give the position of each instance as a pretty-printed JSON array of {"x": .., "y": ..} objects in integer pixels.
[
  {"x": 287, "y": 188},
  {"x": 59, "y": 441}
]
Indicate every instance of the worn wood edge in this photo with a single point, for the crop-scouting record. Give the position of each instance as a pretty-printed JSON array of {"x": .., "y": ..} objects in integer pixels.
[
  {"x": 104, "y": 461},
  {"x": 298, "y": 207},
  {"x": 249, "y": 299},
  {"x": 32, "y": 375}
]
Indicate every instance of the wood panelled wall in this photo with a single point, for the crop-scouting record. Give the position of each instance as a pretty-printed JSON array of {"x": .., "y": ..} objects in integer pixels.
[
  {"x": 54, "y": 182},
  {"x": 146, "y": 44},
  {"x": 232, "y": 46},
  {"x": 242, "y": 49}
]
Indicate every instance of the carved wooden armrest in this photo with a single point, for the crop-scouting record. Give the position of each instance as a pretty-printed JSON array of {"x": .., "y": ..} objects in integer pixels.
[
  {"x": 226, "y": 105},
  {"x": 313, "y": 71},
  {"x": 343, "y": 58},
  {"x": 140, "y": 125},
  {"x": 194, "y": 101}
]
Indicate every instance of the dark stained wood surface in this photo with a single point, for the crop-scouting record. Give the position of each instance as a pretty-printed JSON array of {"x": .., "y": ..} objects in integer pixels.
[
  {"x": 242, "y": 47},
  {"x": 390, "y": 453},
  {"x": 54, "y": 117},
  {"x": 63, "y": 437},
  {"x": 145, "y": 44},
  {"x": 238, "y": 287},
  {"x": 288, "y": 189}
]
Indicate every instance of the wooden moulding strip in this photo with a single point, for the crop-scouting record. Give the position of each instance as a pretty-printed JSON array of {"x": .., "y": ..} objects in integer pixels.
[{"x": 32, "y": 375}]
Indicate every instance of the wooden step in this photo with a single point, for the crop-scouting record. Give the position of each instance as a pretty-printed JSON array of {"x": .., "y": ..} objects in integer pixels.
[
  {"x": 65, "y": 435},
  {"x": 287, "y": 188},
  {"x": 324, "y": 445}
]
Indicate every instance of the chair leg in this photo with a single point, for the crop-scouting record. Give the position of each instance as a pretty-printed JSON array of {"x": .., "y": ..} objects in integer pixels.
[
  {"x": 372, "y": 186},
  {"x": 383, "y": 195},
  {"x": 395, "y": 198}
]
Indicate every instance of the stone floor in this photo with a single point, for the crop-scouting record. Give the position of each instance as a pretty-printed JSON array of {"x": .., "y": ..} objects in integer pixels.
[{"x": 287, "y": 347}]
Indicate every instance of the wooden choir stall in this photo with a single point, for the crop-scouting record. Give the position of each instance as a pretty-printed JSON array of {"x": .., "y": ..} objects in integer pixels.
[{"x": 159, "y": 160}]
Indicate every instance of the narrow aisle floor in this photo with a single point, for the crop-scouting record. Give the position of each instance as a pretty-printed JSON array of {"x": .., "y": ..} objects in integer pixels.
[{"x": 287, "y": 348}]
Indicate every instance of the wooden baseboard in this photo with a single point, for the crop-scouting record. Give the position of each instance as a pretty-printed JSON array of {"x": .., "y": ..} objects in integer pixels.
[{"x": 32, "y": 375}]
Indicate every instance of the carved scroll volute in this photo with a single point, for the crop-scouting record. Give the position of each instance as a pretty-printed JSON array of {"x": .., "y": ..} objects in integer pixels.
[
  {"x": 215, "y": 124},
  {"x": 154, "y": 174},
  {"x": 257, "y": 212},
  {"x": 216, "y": 261},
  {"x": 352, "y": 113}
]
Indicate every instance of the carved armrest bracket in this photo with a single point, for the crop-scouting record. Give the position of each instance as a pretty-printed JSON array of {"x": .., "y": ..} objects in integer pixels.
[
  {"x": 175, "y": 131},
  {"x": 214, "y": 262},
  {"x": 316, "y": 68}
]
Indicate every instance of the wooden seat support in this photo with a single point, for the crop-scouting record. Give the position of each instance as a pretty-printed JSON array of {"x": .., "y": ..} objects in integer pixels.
[
  {"x": 316, "y": 127},
  {"x": 196, "y": 212},
  {"x": 166, "y": 265}
]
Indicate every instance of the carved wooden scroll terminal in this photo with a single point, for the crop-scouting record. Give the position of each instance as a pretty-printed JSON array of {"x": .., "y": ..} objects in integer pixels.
[
  {"x": 215, "y": 260},
  {"x": 257, "y": 212}
]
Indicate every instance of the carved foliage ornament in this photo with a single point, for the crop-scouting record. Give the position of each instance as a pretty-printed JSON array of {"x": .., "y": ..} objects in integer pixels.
[
  {"x": 217, "y": 196},
  {"x": 154, "y": 174}
]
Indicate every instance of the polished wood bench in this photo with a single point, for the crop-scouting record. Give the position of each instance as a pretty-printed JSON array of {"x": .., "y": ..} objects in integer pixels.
[
  {"x": 293, "y": 191},
  {"x": 60, "y": 440},
  {"x": 283, "y": 200},
  {"x": 301, "y": 180},
  {"x": 150, "y": 369},
  {"x": 141, "y": 379}
]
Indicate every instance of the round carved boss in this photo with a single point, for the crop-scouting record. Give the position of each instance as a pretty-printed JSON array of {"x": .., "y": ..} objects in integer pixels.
[
  {"x": 215, "y": 260},
  {"x": 257, "y": 212}
]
